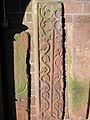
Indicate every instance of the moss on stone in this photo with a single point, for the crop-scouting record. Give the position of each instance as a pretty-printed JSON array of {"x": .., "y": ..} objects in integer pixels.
[
  {"x": 20, "y": 68},
  {"x": 77, "y": 90}
]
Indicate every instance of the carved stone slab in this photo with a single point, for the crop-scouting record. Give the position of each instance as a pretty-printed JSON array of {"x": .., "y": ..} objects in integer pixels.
[
  {"x": 49, "y": 61},
  {"x": 22, "y": 109},
  {"x": 79, "y": 71},
  {"x": 20, "y": 75}
]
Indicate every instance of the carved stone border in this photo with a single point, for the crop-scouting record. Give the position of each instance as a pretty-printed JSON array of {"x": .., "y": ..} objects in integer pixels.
[{"x": 48, "y": 59}]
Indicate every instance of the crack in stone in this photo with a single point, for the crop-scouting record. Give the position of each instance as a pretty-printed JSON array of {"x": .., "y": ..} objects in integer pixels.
[
  {"x": 64, "y": 51},
  {"x": 88, "y": 105},
  {"x": 28, "y": 74}
]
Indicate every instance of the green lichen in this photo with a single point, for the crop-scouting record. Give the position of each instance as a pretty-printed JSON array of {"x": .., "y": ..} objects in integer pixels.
[
  {"x": 77, "y": 91},
  {"x": 20, "y": 68}
]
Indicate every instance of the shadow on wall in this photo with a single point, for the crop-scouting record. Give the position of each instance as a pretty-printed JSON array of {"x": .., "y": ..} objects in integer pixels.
[{"x": 15, "y": 10}]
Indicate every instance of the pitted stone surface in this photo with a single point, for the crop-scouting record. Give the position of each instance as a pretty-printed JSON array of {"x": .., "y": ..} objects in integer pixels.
[
  {"x": 20, "y": 54},
  {"x": 78, "y": 50}
]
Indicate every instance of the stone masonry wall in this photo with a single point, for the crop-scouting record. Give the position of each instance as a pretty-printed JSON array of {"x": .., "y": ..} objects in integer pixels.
[
  {"x": 28, "y": 22},
  {"x": 77, "y": 29},
  {"x": 76, "y": 12}
]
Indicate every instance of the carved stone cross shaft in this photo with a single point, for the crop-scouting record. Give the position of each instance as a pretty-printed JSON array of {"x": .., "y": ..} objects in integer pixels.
[{"x": 48, "y": 59}]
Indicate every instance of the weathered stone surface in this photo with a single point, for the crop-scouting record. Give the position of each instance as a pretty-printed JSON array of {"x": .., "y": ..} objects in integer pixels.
[
  {"x": 78, "y": 49},
  {"x": 20, "y": 54},
  {"x": 49, "y": 54},
  {"x": 22, "y": 109},
  {"x": 86, "y": 7},
  {"x": 82, "y": 19},
  {"x": 20, "y": 75},
  {"x": 72, "y": 7}
]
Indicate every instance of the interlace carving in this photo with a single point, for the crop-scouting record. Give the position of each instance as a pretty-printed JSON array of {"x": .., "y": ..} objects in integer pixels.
[{"x": 51, "y": 61}]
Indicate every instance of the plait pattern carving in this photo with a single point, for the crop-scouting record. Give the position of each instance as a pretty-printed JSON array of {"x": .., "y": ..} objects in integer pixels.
[{"x": 50, "y": 61}]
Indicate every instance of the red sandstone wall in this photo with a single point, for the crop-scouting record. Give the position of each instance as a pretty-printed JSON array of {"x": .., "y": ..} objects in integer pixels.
[
  {"x": 77, "y": 29},
  {"x": 75, "y": 12}
]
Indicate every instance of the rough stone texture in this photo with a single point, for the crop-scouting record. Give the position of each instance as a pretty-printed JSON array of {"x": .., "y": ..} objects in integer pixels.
[
  {"x": 33, "y": 111},
  {"x": 75, "y": 11},
  {"x": 22, "y": 104},
  {"x": 77, "y": 30},
  {"x": 33, "y": 101},
  {"x": 82, "y": 19},
  {"x": 86, "y": 7},
  {"x": 20, "y": 55},
  {"x": 33, "y": 118},
  {"x": 20, "y": 76},
  {"x": 29, "y": 17},
  {"x": 73, "y": 7},
  {"x": 78, "y": 70},
  {"x": 68, "y": 18},
  {"x": 29, "y": 7},
  {"x": 22, "y": 110}
]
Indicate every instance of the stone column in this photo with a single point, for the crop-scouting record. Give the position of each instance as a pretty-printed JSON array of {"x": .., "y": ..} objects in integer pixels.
[{"x": 47, "y": 35}]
